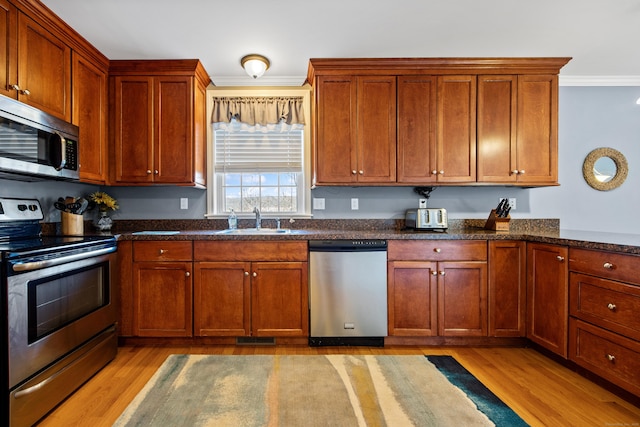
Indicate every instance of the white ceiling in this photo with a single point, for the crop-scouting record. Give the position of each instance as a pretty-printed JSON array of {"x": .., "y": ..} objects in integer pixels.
[{"x": 602, "y": 36}]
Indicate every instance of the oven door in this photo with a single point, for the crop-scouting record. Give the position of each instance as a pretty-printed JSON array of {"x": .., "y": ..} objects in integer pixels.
[{"x": 53, "y": 310}]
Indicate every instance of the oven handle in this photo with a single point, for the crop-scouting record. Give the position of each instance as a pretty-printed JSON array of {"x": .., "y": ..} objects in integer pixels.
[{"x": 36, "y": 265}]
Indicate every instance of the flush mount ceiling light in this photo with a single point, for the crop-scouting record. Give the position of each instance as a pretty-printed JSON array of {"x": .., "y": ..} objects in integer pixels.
[{"x": 255, "y": 65}]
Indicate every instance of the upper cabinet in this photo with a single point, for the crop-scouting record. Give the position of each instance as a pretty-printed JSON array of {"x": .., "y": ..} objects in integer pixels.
[
  {"x": 36, "y": 64},
  {"x": 158, "y": 119},
  {"x": 436, "y": 121}
]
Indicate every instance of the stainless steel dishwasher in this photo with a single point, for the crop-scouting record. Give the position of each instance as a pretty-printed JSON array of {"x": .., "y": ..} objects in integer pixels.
[{"x": 348, "y": 292}]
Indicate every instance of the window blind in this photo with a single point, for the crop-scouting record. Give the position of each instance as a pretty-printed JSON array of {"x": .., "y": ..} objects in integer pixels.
[{"x": 241, "y": 150}]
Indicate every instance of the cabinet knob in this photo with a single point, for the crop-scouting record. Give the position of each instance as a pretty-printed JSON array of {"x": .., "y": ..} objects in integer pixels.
[
  {"x": 361, "y": 172},
  {"x": 255, "y": 274},
  {"x": 521, "y": 172},
  {"x": 148, "y": 171},
  {"x": 608, "y": 266},
  {"x": 434, "y": 172},
  {"x": 442, "y": 273},
  {"x": 437, "y": 250},
  {"x": 441, "y": 172},
  {"x": 161, "y": 251},
  {"x": 246, "y": 273},
  {"x": 611, "y": 307},
  {"x": 434, "y": 273},
  {"x": 353, "y": 172},
  {"x": 13, "y": 87},
  {"x": 515, "y": 172},
  {"x": 156, "y": 172},
  {"x": 560, "y": 258},
  {"x": 187, "y": 274},
  {"x": 611, "y": 358}
]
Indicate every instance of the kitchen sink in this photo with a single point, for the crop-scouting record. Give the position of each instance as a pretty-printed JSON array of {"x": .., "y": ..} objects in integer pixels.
[{"x": 252, "y": 231}]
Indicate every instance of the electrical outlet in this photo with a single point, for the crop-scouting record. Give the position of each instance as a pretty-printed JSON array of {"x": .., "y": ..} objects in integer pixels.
[
  {"x": 318, "y": 203},
  {"x": 184, "y": 203},
  {"x": 354, "y": 204},
  {"x": 422, "y": 203}
]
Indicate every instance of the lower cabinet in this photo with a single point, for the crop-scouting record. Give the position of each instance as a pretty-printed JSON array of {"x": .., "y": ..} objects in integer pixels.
[
  {"x": 437, "y": 288},
  {"x": 244, "y": 288},
  {"x": 507, "y": 288},
  {"x": 548, "y": 296},
  {"x": 162, "y": 289}
]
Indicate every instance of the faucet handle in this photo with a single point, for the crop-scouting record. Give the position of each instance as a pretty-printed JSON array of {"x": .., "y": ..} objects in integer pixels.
[{"x": 278, "y": 223}]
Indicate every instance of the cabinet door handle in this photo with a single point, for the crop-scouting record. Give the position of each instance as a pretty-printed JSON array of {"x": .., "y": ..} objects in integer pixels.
[
  {"x": 353, "y": 172},
  {"x": 148, "y": 171},
  {"x": 187, "y": 274},
  {"x": 441, "y": 172},
  {"x": 611, "y": 358},
  {"x": 255, "y": 274},
  {"x": 611, "y": 306},
  {"x": 608, "y": 266},
  {"x": 434, "y": 172},
  {"x": 361, "y": 172},
  {"x": 521, "y": 172},
  {"x": 161, "y": 251},
  {"x": 515, "y": 172},
  {"x": 437, "y": 250},
  {"x": 246, "y": 273},
  {"x": 14, "y": 87},
  {"x": 442, "y": 273},
  {"x": 560, "y": 258},
  {"x": 156, "y": 172},
  {"x": 434, "y": 273}
]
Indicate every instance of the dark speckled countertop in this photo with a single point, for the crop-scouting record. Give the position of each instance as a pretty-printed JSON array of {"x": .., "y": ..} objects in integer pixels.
[{"x": 543, "y": 231}]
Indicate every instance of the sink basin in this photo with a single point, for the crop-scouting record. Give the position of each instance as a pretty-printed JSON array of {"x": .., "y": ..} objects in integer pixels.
[{"x": 245, "y": 231}]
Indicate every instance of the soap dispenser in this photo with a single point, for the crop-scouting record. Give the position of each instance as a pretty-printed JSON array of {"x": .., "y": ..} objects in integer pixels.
[{"x": 233, "y": 220}]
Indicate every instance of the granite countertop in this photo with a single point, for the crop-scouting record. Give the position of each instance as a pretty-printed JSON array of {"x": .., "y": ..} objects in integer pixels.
[{"x": 542, "y": 232}]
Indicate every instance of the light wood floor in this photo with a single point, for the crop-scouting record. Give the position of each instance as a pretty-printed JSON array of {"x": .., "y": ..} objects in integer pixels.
[{"x": 541, "y": 391}]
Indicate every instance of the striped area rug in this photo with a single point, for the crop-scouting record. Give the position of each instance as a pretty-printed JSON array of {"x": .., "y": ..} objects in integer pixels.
[{"x": 331, "y": 390}]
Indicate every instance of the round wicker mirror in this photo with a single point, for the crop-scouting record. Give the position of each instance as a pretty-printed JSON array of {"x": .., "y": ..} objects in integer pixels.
[{"x": 605, "y": 169}]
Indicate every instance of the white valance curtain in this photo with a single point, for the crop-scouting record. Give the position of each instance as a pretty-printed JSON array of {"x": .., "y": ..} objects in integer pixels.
[{"x": 258, "y": 110}]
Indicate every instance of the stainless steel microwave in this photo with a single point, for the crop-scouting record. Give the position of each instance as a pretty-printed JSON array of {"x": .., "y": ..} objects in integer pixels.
[{"x": 35, "y": 145}]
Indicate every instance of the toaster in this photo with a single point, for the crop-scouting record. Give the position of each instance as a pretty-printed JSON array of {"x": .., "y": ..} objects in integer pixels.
[{"x": 426, "y": 219}]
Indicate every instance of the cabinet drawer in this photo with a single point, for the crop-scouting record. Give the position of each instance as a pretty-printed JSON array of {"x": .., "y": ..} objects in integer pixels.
[
  {"x": 612, "y": 305},
  {"x": 250, "y": 251},
  {"x": 605, "y": 264},
  {"x": 606, "y": 354},
  {"x": 437, "y": 250},
  {"x": 162, "y": 251}
]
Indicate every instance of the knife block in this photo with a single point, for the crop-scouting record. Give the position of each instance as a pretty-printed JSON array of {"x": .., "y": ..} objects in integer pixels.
[
  {"x": 496, "y": 223},
  {"x": 72, "y": 224}
]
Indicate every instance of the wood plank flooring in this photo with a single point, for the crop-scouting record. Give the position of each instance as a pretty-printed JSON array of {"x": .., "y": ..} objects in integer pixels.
[{"x": 540, "y": 390}]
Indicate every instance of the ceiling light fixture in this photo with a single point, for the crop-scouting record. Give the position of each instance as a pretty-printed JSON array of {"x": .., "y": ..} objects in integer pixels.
[{"x": 255, "y": 65}]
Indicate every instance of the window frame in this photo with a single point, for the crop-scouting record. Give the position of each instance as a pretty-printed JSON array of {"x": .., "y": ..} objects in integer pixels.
[{"x": 249, "y": 91}]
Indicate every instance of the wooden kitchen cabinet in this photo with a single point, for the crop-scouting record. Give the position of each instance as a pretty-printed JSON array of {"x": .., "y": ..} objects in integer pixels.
[
  {"x": 90, "y": 103},
  {"x": 251, "y": 289},
  {"x": 356, "y": 130},
  {"x": 36, "y": 65},
  {"x": 548, "y": 296},
  {"x": 158, "y": 117},
  {"x": 517, "y": 129},
  {"x": 162, "y": 289},
  {"x": 507, "y": 288},
  {"x": 437, "y": 288},
  {"x": 604, "y": 328}
]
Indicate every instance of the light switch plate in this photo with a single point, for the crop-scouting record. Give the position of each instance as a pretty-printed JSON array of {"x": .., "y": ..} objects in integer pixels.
[
  {"x": 354, "y": 204},
  {"x": 318, "y": 203},
  {"x": 184, "y": 203}
]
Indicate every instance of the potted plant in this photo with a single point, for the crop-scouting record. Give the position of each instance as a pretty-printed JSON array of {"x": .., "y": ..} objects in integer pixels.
[{"x": 105, "y": 203}]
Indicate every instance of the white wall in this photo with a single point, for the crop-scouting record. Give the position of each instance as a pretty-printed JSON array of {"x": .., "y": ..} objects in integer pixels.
[{"x": 589, "y": 117}]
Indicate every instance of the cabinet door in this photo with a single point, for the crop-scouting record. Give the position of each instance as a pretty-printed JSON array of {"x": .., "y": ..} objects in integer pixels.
[
  {"x": 90, "y": 115},
  {"x": 173, "y": 118},
  {"x": 8, "y": 49},
  {"x": 416, "y": 129},
  {"x": 537, "y": 129},
  {"x": 412, "y": 298},
  {"x": 279, "y": 299},
  {"x": 221, "y": 299},
  {"x": 462, "y": 298},
  {"x": 456, "y": 137},
  {"x": 507, "y": 288},
  {"x": 376, "y": 129},
  {"x": 162, "y": 296},
  {"x": 335, "y": 143},
  {"x": 548, "y": 296},
  {"x": 497, "y": 102},
  {"x": 44, "y": 69},
  {"x": 133, "y": 129}
]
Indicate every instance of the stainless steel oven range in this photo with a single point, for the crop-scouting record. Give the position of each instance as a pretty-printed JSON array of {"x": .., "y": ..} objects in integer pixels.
[{"x": 58, "y": 312}]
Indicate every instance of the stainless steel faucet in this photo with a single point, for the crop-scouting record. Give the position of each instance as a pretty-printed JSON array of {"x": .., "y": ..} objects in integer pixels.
[{"x": 258, "y": 218}]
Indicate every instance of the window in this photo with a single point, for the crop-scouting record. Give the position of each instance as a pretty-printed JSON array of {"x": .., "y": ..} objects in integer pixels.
[
  {"x": 264, "y": 166},
  {"x": 259, "y": 166}
]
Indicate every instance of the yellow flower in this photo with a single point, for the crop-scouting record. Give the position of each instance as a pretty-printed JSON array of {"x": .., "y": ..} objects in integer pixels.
[{"x": 104, "y": 201}]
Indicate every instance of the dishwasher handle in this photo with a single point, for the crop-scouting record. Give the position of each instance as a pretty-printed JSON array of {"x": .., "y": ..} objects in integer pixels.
[{"x": 342, "y": 245}]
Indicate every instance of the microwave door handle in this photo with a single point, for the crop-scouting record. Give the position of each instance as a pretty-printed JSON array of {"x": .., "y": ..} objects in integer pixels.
[{"x": 63, "y": 152}]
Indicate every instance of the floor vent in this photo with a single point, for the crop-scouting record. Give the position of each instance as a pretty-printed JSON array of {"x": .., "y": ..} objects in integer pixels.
[{"x": 255, "y": 341}]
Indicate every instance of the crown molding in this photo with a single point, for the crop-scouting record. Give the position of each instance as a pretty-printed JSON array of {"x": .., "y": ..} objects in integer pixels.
[
  {"x": 262, "y": 81},
  {"x": 599, "y": 80}
]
